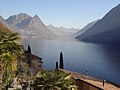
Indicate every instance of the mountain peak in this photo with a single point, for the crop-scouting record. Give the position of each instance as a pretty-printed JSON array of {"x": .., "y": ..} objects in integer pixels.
[
  {"x": 15, "y": 19},
  {"x": 1, "y": 17},
  {"x": 23, "y": 15},
  {"x": 19, "y": 14},
  {"x": 50, "y": 25},
  {"x": 36, "y": 16}
]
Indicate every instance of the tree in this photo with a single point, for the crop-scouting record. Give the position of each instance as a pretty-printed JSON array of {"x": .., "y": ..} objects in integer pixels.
[
  {"x": 29, "y": 56},
  {"x": 61, "y": 66},
  {"x": 29, "y": 49},
  {"x": 56, "y": 65},
  {"x": 10, "y": 51},
  {"x": 53, "y": 80}
]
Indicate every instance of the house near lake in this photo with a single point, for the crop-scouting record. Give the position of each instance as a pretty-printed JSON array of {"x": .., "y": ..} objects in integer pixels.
[{"x": 34, "y": 62}]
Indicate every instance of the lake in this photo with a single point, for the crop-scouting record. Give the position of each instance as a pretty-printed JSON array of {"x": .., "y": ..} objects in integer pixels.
[{"x": 101, "y": 60}]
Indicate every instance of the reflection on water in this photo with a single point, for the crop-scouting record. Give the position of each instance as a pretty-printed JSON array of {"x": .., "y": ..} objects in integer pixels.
[{"x": 102, "y": 61}]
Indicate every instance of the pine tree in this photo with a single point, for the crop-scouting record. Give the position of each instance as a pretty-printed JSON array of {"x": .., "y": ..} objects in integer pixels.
[
  {"x": 28, "y": 56},
  {"x": 29, "y": 49},
  {"x": 56, "y": 65},
  {"x": 61, "y": 66}
]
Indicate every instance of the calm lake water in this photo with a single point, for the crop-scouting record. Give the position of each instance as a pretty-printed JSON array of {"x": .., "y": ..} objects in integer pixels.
[{"x": 102, "y": 61}]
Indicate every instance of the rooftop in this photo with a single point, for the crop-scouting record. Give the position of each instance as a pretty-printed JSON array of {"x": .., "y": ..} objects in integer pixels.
[{"x": 93, "y": 81}]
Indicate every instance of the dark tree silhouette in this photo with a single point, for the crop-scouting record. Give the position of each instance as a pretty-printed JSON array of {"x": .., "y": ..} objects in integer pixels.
[
  {"x": 29, "y": 49},
  {"x": 61, "y": 66},
  {"x": 56, "y": 65},
  {"x": 29, "y": 56}
]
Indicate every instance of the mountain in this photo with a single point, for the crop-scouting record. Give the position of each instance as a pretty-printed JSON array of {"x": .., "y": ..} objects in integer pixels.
[
  {"x": 72, "y": 30},
  {"x": 29, "y": 26},
  {"x": 87, "y": 27},
  {"x": 3, "y": 28},
  {"x": 17, "y": 19},
  {"x": 105, "y": 30},
  {"x": 3, "y": 21},
  {"x": 1, "y": 18},
  {"x": 61, "y": 31}
]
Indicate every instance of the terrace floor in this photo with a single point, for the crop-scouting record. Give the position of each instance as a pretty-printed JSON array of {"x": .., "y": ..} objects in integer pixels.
[{"x": 93, "y": 81}]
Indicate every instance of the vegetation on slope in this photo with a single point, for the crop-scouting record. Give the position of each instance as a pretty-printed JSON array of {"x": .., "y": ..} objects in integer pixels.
[{"x": 10, "y": 51}]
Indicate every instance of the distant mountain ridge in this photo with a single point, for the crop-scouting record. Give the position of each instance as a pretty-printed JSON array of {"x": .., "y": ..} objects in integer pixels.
[
  {"x": 105, "y": 30},
  {"x": 61, "y": 31},
  {"x": 29, "y": 26}
]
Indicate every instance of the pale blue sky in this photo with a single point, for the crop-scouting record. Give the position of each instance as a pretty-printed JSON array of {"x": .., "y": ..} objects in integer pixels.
[{"x": 67, "y": 13}]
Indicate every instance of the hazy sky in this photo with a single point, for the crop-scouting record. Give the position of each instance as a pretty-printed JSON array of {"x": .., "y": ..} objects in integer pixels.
[{"x": 67, "y": 13}]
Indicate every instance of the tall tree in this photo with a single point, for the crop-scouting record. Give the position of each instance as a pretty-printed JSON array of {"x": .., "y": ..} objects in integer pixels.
[
  {"x": 56, "y": 65},
  {"x": 29, "y": 56},
  {"x": 61, "y": 66},
  {"x": 29, "y": 49}
]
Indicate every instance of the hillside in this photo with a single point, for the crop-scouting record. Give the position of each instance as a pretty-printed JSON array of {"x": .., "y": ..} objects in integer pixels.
[
  {"x": 105, "y": 30},
  {"x": 87, "y": 27},
  {"x": 4, "y": 29}
]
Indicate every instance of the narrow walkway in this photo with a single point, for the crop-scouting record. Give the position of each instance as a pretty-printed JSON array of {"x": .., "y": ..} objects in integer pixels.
[{"x": 93, "y": 81}]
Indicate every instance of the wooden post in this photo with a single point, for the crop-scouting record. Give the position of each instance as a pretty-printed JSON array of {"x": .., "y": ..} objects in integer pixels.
[
  {"x": 87, "y": 72},
  {"x": 104, "y": 82}
]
